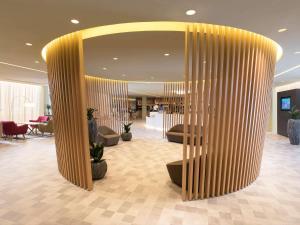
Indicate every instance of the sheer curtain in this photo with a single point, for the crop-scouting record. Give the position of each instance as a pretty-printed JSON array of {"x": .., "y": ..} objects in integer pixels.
[{"x": 20, "y": 102}]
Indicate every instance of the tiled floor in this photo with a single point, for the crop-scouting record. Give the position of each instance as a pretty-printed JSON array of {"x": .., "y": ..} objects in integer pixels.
[{"x": 137, "y": 189}]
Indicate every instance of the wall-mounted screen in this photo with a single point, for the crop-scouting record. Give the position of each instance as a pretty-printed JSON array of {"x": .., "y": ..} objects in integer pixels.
[{"x": 285, "y": 103}]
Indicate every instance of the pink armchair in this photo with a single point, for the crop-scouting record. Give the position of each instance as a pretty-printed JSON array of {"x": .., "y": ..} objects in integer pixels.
[
  {"x": 10, "y": 128},
  {"x": 40, "y": 119}
]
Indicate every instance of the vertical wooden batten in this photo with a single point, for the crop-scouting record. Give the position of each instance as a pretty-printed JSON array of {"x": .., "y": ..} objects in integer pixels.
[{"x": 68, "y": 97}]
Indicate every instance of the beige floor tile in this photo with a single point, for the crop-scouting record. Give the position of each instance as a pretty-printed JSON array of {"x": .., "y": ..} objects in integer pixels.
[{"x": 137, "y": 189}]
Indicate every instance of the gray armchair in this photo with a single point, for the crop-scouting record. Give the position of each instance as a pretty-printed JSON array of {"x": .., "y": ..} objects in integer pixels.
[{"x": 107, "y": 136}]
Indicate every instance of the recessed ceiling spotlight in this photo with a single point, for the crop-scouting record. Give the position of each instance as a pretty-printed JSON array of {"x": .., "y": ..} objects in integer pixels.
[
  {"x": 152, "y": 77},
  {"x": 282, "y": 30},
  {"x": 115, "y": 58},
  {"x": 36, "y": 61},
  {"x": 123, "y": 75},
  {"x": 166, "y": 54},
  {"x": 28, "y": 44},
  {"x": 190, "y": 12},
  {"x": 296, "y": 53},
  {"x": 104, "y": 68},
  {"x": 74, "y": 21}
]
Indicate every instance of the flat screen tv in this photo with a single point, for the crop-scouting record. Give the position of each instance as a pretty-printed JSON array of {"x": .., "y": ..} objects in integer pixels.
[{"x": 285, "y": 103}]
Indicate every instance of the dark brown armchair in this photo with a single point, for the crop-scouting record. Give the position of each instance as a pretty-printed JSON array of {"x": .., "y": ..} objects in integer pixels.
[
  {"x": 107, "y": 136},
  {"x": 175, "y": 134}
]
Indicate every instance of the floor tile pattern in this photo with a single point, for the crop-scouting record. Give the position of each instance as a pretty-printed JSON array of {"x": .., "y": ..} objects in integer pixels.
[{"x": 137, "y": 189}]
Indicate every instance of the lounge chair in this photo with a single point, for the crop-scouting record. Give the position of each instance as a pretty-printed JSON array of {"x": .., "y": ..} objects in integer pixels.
[
  {"x": 107, "y": 136},
  {"x": 46, "y": 128},
  {"x": 175, "y": 134}
]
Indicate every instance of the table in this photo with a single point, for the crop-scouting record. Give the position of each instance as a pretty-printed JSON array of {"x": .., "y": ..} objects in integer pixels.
[{"x": 32, "y": 126}]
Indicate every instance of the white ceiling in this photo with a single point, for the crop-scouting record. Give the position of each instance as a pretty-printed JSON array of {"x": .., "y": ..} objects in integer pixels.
[
  {"x": 140, "y": 56},
  {"x": 38, "y": 22}
]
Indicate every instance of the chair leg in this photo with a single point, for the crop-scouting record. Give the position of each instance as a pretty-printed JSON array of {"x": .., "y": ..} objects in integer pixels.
[{"x": 24, "y": 136}]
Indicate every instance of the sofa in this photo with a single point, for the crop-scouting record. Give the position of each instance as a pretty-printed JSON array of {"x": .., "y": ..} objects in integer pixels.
[
  {"x": 107, "y": 136},
  {"x": 175, "y": 134},
  {"x": 10, "y": 128},
  {"x": 47, "y": 127}
]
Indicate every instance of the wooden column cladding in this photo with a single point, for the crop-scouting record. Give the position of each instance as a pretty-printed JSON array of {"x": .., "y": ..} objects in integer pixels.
[
  {"x": 110, "y": 98},
  {"x": 229, "y": 73},
  {"x": 68, "y": 98}
]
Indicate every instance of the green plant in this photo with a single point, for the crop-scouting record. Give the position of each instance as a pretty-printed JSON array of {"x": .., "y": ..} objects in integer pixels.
[
  {"x": 48, "y": 108},
  {"x": 90, "y": 113},
  {"x": 96, "y": 152},
  {"x": 127, "y": 127},
  {"x": 295, "y": 113}
]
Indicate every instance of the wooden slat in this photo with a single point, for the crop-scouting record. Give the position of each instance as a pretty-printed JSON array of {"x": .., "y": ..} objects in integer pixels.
[{"x": 186, "y": 111}]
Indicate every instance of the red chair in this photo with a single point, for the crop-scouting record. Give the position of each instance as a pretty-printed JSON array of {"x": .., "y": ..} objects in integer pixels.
[
  {"x": 40, "y": 119},
  {"x": 10, "y": 128}
]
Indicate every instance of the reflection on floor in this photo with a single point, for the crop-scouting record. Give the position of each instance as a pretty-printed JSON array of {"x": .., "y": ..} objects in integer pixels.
[{"x": 137, "y": 189}]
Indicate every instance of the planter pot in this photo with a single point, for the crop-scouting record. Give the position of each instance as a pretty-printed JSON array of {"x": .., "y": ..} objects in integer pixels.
[
  {"x": 126, "y": 136},
  {"x": 92, "y": 125},
  {"x": 99, "y": 169},
  {"x": 293, "y": 130}
]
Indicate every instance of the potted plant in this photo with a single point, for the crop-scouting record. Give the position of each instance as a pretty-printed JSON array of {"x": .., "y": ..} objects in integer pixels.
[
  {"x": 126, "y": 135},
  {"x": 92, "y": 125},
  {"x": 99, "y": 165},
  {"x": 293, "y": 127},
  {"x": 48, "y": 108}
]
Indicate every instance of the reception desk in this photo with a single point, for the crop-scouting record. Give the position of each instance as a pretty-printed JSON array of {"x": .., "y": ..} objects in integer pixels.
[{"x": 155, "y": 121}]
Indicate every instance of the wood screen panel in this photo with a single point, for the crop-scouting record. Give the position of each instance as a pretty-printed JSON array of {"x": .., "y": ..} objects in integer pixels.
[
  {"x": 110, "y": 98},
  {"x": 229, "y": 74},
  {"x": 67, "y": 88},
  {"x": 173, "y": 105}
]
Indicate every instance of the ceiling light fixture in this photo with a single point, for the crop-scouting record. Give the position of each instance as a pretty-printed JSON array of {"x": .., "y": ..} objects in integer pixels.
[
  {"x": 152, "y": 77},
  {"x": 123, "y": 75},
  {"x": 288, "y": 70},
  {"x": 190, "y": 12},
  {"x": 166, "y": 54},
  {"x": 28, "y": 44},
  {"x": 282, "y": 30},
  {"x": 22, "y": 67},
  {"x": 115, "y": 58},
  {"x": 36, "y": 61},
  {"x": 104, "y": 68},
  {"x": 74, "y": 21}
]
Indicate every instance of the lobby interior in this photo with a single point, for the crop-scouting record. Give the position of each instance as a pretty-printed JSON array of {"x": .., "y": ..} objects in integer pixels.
[{"x": 76, "y": 75}]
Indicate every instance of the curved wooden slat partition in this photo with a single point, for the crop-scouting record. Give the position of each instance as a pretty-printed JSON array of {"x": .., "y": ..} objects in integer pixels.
[
  {"x": 229, "y": 73},
  {"x": 110, "y": 98},
  {"x": 228, "y": 77},
  {"x": 68, "y": 97}
]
